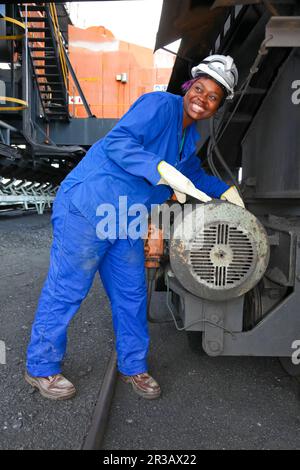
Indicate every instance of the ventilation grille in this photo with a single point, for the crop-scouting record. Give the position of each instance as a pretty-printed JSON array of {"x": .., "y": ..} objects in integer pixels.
[{"x": 222, "y": 255}]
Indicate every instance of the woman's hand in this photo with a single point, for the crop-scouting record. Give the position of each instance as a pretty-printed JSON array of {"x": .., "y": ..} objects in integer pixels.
[
  {"x": 232, "y": 195},
  {"x": 179, "y": 183}
]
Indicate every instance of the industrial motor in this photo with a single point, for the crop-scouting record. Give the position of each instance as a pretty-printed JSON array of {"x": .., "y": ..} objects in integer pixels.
[{"x": 218, "y": 250}]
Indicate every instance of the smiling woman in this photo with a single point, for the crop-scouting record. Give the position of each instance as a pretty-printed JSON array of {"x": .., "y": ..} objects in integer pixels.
[{"x": 141, "y": 161}]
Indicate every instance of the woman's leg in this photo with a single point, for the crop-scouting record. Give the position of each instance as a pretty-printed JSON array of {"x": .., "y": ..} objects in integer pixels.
[
  {"x": 75, "y": 257},
  {"x": 123, "y": 275}
]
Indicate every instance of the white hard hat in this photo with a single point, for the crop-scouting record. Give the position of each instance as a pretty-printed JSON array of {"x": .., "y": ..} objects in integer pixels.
[{"x": 222, "y": 69}]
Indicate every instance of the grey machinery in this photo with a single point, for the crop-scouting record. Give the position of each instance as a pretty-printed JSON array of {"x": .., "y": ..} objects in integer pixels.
[{"x": 234, "y": 284}]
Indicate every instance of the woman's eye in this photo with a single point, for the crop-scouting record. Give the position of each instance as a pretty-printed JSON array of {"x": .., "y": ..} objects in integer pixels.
[{"x": 212, "y": 98}]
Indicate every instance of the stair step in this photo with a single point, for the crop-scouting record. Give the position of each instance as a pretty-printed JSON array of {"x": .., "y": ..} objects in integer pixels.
[
  {"x": 36, "y": 19},
  {"x": 39, "y": 48},
  {"x": 43, "y": 75},
  {"x": 39, "y": 39},
  {"x": 53, "y": 100},
  {"x": 43, "y": 57},
  {"x": 34, "y": 29},
  {"x": 50, "y": 83},
  {"x": 59, "y": 113},
  {"x": 58, "y": 107},
  {"x": 44, "y": 66},
  {"x": 53, "y": 105},
  {"x": 33, "y": 7},
  {"x": 55, "y": 92}
]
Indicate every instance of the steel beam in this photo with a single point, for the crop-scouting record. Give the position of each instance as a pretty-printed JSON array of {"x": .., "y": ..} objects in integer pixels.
[{"x": 283, "y": 31}]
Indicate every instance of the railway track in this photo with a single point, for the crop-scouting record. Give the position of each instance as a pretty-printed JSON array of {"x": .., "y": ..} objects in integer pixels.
[
  {"x": 94, "y": 439},
  {"x": 206, "y": 403}
]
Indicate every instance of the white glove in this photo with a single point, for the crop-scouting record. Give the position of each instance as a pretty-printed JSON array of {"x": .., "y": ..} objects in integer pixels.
[
  {"x": 232, "y": 195},
  {"x": 180, "y": 196},
  {"x": 179, "y": 183}
]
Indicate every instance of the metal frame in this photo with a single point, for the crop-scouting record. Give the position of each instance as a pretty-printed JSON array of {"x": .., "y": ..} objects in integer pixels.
[{"x": 27, "y": 194}]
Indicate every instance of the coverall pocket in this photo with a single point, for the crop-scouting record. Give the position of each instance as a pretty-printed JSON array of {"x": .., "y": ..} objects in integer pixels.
[{"x": 74, "y": 211}]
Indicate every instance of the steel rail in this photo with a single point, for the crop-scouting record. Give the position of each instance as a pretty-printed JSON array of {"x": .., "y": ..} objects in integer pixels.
[{"x": 94, "y": 438}]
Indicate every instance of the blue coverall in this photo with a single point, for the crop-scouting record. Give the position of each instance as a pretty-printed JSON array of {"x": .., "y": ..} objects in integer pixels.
[{"x": 124, "y": 163}]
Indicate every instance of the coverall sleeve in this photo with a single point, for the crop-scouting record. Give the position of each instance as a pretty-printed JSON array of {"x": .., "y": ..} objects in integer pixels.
[
  {"x": 206, "y": 183},
  {"x": 144, "y": 122}
]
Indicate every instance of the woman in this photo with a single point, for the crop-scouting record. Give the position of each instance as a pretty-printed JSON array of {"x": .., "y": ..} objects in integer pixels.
[{"x": 159, "y": 127}]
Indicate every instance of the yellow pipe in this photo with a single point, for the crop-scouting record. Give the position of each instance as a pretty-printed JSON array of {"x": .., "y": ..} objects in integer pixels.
[
  {"x": 8, "y": 99},
  {"x": 18, "y": 23}
]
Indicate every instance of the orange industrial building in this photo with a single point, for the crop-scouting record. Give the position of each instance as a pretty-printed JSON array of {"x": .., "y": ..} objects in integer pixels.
[{"x": 113, "y": 73}]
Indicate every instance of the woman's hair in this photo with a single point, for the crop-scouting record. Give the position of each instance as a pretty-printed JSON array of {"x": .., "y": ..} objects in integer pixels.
[{"x": 187, "y": 85}]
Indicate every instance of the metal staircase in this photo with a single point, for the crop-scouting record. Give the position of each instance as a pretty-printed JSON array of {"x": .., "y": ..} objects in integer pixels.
[
  {"x": 45, "y": 46},
  {"x": 32, "y": 165}
]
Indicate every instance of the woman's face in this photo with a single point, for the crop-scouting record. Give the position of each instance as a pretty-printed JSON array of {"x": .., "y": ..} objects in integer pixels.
[{"x": 202, "y": 100}]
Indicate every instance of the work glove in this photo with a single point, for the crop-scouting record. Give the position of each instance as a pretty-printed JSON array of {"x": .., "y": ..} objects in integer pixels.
[
  {"x": 232, "y": 195},
  {"x": 180, "y": 184}
]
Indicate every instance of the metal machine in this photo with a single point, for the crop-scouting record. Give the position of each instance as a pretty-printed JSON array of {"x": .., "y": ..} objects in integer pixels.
[
  {"x": 223, "y": 256},
  {"x": 40, "y": 142},
  {"x": 234, "y": 284}
]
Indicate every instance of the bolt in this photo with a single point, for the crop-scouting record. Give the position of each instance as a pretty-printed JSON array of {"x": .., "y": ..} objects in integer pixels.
[{"x": 214, "y": 346}]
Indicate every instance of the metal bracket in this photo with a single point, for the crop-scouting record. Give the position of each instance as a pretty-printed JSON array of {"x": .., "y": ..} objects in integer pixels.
[
  {"x": 27, "y": 194},
  {"x": 213, "y": 337}
]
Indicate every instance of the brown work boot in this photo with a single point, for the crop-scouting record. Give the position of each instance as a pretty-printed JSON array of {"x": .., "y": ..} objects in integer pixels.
[
  {"x": 143, "y": 384},
  {"x": 55, "y": 387}
]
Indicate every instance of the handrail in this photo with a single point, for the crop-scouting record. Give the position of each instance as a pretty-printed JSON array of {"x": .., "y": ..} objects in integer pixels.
[
  {"x": 53, "y": 14},
  {"x": 23, "y": 104},
  {"x": 77, "y": 84},
  {"x": 14, "y": 21},
  {"x": 64, "y": 59}
]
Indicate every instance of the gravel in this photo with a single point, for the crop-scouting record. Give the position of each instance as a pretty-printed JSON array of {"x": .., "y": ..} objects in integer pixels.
[{"x": 27, "y": 420}]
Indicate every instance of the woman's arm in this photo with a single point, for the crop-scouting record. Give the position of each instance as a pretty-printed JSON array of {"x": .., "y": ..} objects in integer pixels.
[
  {"x": 210, "y": 185},
  {"x": 146, "y": 119}
]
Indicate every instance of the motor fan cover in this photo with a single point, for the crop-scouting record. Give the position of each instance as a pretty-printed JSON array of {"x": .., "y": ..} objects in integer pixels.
[{"x": 218, "y": 250}]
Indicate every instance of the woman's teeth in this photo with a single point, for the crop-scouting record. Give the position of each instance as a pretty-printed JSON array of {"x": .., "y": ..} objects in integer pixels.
[{"x": 196, "y": 108}]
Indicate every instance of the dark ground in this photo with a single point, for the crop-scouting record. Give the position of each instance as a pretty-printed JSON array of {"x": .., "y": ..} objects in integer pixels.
[
  {"x": 207, "y": 403},
  {"x": 27, "y": 420}
]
